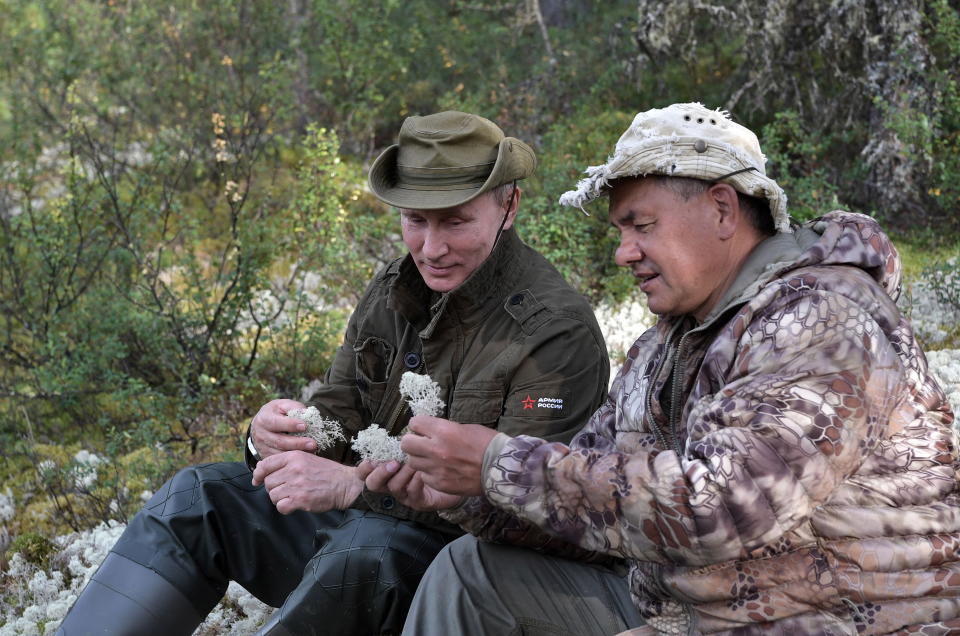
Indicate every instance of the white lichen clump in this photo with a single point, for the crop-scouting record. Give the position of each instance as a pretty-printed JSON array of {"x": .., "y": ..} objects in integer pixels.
[
  {"x": 323, "y": 431},
  {"x": 7, "y": 506},
  {"x": 36, "y": 600},
  {"x": 375, "y": 445},
  {"x": 421, "y": 393},
  {"x": 423, "y": 396},
  {"x": 84, "y": 469}
]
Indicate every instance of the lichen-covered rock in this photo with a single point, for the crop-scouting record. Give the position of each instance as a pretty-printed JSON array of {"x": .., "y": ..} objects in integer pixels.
[{"x": 945, "y": 366}]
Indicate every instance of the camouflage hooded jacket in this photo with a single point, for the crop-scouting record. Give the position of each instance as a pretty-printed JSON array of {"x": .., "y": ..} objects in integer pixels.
[{"x": 786, "y": 466}]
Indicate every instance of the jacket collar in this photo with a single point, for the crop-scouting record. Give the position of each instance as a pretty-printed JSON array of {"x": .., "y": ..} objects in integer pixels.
[
  {"x": 769, "y": 258},
  {"x": 469, "y": 302},
  {"x": 837, "y": 238},
  {"x": 763, "y": 262}
]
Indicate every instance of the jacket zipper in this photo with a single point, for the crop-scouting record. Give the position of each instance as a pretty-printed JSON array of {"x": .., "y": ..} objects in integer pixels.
[
  {"x": 657, "y": 431},
  {"x": 676, "y": 389},
  {"x": 400, "y": 402}
]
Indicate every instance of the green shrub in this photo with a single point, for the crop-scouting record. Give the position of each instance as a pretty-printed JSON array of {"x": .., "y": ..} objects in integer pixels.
[
  {"x": 34, "y": 548},
  {"x": 580, "y": 246},
  {"x": 798, "y": 158}
]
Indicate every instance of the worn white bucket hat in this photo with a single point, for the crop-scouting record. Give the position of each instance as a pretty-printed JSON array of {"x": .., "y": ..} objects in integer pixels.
[{"x": 687, "y": 140}]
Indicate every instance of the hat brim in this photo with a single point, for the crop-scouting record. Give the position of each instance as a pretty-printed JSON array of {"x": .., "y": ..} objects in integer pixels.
[
  {"x": 515, "y": 160},
  {"x": 678, "y": 157}
]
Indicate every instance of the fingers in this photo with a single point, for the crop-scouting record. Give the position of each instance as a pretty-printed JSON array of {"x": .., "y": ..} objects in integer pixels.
[
  {"x": 431, "y": 481},
  {"x": 267, "y": 466},
  {"x": 421, "y": 463},
  {"x": 364, "y": 469},
  {"x": 416, "y": 445},
  {"x": 286, "y": 506},
  {"x": 419, "y": 492},
  {"x": 378, "y": 478},
  {"x": 428, "y": 498},
  {"x": 398, "y": 484},
  {"x": 425, "y": 425},
  {"x": 272, "y": 426},
  {"x": 270, "y": 466},
  {"x": 391, "y": 477},
  {"x": 272, "y": 417}
]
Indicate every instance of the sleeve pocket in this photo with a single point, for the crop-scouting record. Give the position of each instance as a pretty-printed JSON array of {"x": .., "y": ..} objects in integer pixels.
[{"x": 476, "y": 406}]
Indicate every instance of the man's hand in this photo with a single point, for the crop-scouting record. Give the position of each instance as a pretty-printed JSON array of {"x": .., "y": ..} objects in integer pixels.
[
  {"x": 301, "y": 481},
  {"x": 270, "y": 426},
  {"x": 449, "y": 455},
  {"x": 406, "y": 485}
]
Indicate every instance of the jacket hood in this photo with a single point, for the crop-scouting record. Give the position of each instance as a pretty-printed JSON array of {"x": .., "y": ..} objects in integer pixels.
[
  {"x": 837, "y": 238},
  {"x": 847, "y": 238}
]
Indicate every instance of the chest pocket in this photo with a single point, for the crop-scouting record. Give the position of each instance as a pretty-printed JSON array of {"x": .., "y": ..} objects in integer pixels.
[
  {"x": 476, "y": 406},
  {"x": 374, "y": 359}
]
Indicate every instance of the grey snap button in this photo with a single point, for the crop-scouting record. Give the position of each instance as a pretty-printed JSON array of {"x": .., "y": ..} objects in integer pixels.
[
  {"x": 388, "y": 502},
  {"x": 411, "y": 360},
  {"x": 516, "y": 299},
  {"x": 700, "y": 146}
]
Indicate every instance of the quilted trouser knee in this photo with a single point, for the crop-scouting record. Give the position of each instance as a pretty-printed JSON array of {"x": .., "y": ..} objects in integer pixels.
[
  {"x": 362, "y": 578},
  {"x": 209, "y": 525}
]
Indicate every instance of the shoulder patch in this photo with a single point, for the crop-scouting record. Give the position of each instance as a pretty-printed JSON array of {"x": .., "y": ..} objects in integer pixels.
[{"x": 540, "y": 403}]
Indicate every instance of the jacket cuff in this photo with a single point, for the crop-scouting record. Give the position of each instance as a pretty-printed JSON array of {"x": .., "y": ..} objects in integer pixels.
[
  {"x": 459, "y": 513},
  {"x": 250, "y": 455},
  {"x": 494, "y": 448}
]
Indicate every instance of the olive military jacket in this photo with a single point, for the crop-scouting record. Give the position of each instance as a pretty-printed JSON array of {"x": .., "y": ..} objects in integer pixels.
[{"x": 513, "y": 347}]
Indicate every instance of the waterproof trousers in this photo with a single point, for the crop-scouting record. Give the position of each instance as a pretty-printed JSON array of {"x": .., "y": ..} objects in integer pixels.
[
  {"x": 475, "y": 588},
  {"x": 339, "y": 572}
]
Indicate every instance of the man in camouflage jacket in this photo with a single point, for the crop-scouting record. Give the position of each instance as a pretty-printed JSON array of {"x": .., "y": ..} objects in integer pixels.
[
  {"x": 512, "y": 346},
  {"x": 774, "y": 456}
]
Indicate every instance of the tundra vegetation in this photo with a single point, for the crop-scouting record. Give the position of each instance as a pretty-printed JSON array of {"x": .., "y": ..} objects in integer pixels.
[{"x": 184, "y": 223}]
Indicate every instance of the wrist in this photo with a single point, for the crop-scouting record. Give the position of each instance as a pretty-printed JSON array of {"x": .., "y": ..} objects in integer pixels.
[{"x": 352, "y": 487}]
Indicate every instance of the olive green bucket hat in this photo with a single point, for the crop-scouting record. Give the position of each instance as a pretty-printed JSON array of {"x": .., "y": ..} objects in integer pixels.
[{"x": 446, "y": 159}]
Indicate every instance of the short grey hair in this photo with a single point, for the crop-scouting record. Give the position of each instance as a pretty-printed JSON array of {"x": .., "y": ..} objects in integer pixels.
[
  {"x": 503, "y": 192},
  {"x": 756, "y": 210}
]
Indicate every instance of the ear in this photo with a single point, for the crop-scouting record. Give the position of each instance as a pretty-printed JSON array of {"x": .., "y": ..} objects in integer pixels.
[
  {"x": 729, "y": 217},
  {"x": 512, "y": 206}
]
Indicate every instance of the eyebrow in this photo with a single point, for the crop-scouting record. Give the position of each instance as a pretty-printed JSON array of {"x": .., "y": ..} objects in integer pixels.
[{"x": 624, "y": 219}]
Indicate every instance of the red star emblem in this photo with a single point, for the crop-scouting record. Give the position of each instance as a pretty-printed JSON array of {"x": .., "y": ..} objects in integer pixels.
[{"x": 528, "y": 403}]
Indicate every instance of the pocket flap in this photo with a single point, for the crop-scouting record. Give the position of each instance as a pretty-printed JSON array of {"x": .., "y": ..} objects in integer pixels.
[{"x": 476, "y": 406}]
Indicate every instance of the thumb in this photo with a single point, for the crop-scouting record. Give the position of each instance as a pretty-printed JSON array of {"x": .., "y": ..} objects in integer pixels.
[
  {"x": 425, "y": 424},
  {"x": 364, "y": 468},
  {"x": 269, "y": 465}
]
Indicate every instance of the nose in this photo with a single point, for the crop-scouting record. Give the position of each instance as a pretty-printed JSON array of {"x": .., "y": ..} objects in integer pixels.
[
  {"x": 434, "y": 244},
  {"x": 627, "y": 252}
]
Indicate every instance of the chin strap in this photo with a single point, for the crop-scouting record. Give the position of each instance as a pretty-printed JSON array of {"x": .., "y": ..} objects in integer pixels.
[{"x": 513, "y": 194}]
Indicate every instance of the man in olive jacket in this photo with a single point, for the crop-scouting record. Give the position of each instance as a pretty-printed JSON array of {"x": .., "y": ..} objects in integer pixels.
[{"x": 511, "y": 345}]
